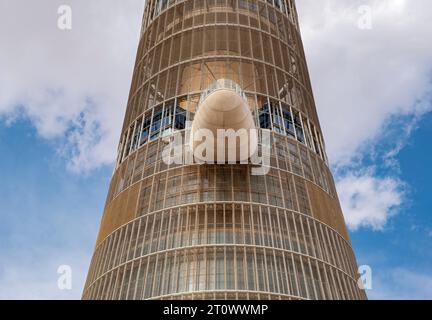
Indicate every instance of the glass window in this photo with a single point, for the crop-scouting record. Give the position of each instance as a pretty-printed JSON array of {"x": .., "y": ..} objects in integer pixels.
[
  {"x": 137, "y": 134},
  {"x": 128, "y": 144},
  {"x": 264, "y": 116},
  {"x": 299, "y": 128},
  {"x": 168, "y": 119},
  {"x": 315, "y": 140},
  {"x": 122, "y": 149},
  {"x": 288, "y": 121},
  {"x": 145, "y": 128},
  {"x": 180, "y": 114},
  {"x": 156, "y": 123},
  {"x": 276, "y": 117}
]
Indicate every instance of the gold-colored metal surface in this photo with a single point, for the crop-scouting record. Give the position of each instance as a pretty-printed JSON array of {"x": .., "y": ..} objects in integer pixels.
[{"x": 217, "y": 231}]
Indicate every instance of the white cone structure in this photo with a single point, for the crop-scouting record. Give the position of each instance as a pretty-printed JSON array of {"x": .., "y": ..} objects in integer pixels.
[{"x": 223, "y": 130}]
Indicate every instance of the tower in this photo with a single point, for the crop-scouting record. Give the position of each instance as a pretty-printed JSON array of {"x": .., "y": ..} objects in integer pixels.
[{"x": 198, "y": 230}]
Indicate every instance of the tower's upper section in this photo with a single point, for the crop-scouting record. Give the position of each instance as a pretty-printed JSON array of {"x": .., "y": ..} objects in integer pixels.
[
  {"x": 154, "y": 8},
  {"x": 188, "y": 45}
]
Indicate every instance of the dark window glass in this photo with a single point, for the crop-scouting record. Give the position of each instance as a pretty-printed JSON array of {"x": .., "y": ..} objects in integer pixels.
[
  {"x": 180, "y": 118},
  {"x": 264, "y": 117}
]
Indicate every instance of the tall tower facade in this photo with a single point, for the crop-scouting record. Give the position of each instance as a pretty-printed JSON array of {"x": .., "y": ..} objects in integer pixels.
[{"x": 217, "y": 231}]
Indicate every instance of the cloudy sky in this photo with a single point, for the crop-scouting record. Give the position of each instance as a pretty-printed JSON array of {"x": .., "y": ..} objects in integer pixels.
[{"x": 62, "y": 101}]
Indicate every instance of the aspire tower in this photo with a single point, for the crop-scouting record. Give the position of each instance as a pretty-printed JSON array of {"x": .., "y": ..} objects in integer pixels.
[{"x": 197, "y": 230}]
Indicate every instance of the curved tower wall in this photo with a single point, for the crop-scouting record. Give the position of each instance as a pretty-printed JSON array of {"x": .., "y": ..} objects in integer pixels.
[{"x": 189, "y": 231}]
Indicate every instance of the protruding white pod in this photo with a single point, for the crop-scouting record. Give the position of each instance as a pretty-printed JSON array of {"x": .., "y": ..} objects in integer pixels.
[{"x": 223, "y": 130}]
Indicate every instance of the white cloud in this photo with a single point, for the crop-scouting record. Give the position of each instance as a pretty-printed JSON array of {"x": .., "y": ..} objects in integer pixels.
[
  {"x": 36, "y": 278},
  {"x": 369, "y": 201},
  {"x": 401, "y": 284},
  {"x": 72, "y": 85},
  {"x": 363, "y": 80}
]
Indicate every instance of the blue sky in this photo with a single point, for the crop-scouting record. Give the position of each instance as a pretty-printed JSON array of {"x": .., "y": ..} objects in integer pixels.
[
  {"x": 400, "y": 254},
  {"x": 49, "y": 216},
  {"x": 61, "y": 109}
]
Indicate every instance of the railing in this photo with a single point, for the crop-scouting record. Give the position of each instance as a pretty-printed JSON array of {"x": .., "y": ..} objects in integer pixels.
[
  {"x": 222, "y": 84},
  {"x": 287, "y": 7}
]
